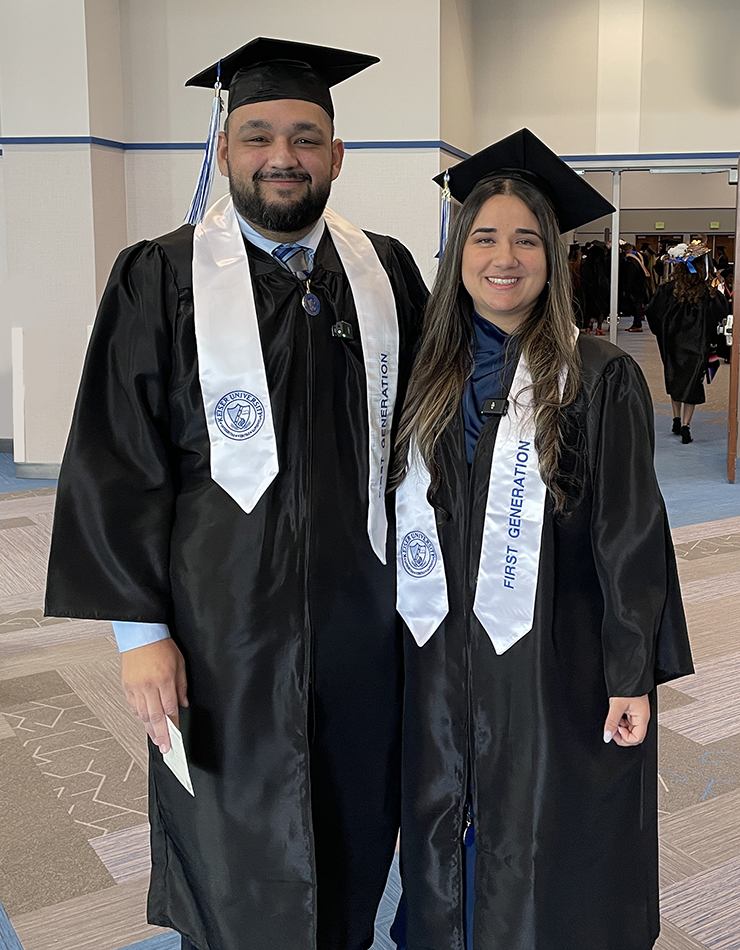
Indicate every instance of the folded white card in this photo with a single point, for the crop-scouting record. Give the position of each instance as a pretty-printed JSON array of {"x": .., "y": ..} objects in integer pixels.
[{"x": 176, "y": 760}]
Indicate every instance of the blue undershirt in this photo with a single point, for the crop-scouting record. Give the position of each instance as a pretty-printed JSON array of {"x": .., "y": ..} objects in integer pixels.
[{"x": 490, "y": 379}]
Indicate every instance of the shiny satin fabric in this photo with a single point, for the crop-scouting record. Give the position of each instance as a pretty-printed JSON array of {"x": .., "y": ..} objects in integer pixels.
[
  {"x": 285, "y": 616},
  {"x": 685, "y": 333},
  {"x": 564, "y": 822}
]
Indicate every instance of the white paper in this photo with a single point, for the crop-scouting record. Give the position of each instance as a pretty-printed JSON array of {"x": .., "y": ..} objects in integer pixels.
[{"x": 176, "y": 760}]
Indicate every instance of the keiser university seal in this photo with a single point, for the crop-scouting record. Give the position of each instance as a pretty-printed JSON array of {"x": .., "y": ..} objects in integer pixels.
[
  {"x": 417, "y": 554},
  {"x": 239, "y": 415}
]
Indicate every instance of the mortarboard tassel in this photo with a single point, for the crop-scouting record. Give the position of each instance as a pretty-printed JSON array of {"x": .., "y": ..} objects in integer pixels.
[
  {"x": 445, "y": 222},
  {"x": 205, "y": 179}
]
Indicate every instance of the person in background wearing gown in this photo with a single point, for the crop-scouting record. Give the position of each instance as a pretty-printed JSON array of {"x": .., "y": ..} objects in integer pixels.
[
  {"x": 579, "y": 302},
  {"x": 724, "y": 350},
  {"x": 595, "y": 284},
  {"x": 684, "y": 315},
  {"x": 649, "y": 257},
  {"x": 723, "y": 261},
  {"x": 634, "y": 277},
  {"x": 538, "y": 584},
  {"x": 222, "y": 500}
]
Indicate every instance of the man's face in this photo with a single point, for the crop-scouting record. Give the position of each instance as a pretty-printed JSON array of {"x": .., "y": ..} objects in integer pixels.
[{"x": 280, "y": 160}]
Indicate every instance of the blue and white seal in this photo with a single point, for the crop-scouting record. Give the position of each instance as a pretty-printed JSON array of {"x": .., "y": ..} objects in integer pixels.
[
  {"x": 417, "y": 554},
  {"x": 239, "y": 415}
]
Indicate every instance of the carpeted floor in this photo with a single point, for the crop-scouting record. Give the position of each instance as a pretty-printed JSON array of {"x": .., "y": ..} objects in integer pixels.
[{"x": 74, "y": 858}]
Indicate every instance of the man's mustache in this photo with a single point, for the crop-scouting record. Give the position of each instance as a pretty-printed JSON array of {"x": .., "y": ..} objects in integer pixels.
[{"x": 282, "y": 176}]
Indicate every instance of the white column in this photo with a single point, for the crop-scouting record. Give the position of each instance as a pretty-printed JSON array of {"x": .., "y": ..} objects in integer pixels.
[
  {"x": 19, "y": 397},
  {"x": 64, "y": 202},
  {"x": 614, "y": 301}
]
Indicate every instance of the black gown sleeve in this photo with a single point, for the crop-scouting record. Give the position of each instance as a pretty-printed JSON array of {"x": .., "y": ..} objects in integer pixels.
[
  {"x": 644, "y": 636},
  {"x": 415, "y": 290},
  {"x": 110, "y": 542},
  {"x": 411, "y": 295}
]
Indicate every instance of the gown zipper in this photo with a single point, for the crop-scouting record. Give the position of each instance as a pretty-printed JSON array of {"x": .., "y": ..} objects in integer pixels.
[
  {"x": 311, "y": 724},
  {"x": 310, "y": 705}
]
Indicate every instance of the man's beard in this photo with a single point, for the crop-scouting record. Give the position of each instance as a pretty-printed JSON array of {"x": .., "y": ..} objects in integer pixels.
[{"x": 281, "y": 217}]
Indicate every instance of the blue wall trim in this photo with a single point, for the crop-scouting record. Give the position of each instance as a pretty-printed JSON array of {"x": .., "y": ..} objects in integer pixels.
[
  {"x": 637, "y": 158},
  {"x": 423, "y": 143},
  {"x": 643, "y": 157}
]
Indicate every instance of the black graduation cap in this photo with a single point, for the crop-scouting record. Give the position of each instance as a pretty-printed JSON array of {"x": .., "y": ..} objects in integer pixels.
[
  {"x": 266, "y": 69},
  {"x": 523, "y": 155}
]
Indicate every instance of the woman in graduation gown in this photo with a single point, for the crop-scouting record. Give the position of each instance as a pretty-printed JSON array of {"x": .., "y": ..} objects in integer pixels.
[
  {"x": 538, "y": 584},
  {"x": 684, "y": 315}
]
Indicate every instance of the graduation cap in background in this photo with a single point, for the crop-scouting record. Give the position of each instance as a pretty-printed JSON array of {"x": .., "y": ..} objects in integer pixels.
[
  {"x": 264, "y": 70},
  {"x": 522, "y": 155}
]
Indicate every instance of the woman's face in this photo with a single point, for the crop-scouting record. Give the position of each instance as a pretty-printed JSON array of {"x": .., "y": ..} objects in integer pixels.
[{"x": 504, "y": 267}]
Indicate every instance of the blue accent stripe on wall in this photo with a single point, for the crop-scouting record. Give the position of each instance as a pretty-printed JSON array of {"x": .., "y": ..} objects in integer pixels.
[
  {"x": 424, "y": 143},
  {"x": 8, "y": 937},
  {"x": 644, "y": 157},
  {"x": 164, "y": 147}
]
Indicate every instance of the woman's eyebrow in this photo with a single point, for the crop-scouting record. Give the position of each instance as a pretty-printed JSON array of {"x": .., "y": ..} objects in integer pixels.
[{"x": 517, "y": 231}]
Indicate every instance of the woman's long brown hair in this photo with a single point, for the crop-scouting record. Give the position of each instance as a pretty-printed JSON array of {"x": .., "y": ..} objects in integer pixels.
[
  {"x": 445, "y": 359},
  {"x": 690, "y": 288}
]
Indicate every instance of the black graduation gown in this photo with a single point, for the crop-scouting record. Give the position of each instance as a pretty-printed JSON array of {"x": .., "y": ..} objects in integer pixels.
[
  {"x": 595, "y": 284},
  {"x": 285, "y": 616},
  {"x": 633, "y": 286},
  {"x": 565, "y": 826},
  {"x": 685, "y": 332}
]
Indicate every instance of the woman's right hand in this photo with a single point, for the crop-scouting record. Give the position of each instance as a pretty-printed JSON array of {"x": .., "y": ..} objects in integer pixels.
[{"x": 628, "y": 719}]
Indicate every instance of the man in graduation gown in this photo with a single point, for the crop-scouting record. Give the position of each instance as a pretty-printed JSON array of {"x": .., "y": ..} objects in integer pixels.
[{"x": 222, "y": 499}]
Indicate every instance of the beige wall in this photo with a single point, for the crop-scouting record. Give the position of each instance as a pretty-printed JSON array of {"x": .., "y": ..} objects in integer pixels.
[
  {"x": 457, "y": 74},
  {"x": 536, "y": 66},
  {"x": 609, "y": 76},
  {"x": 105, "y": 81},
  {"x": 641, "y": 189},
  {"x": 691, "y": 76},
  {"x": 166, "y": 42},
  {"x": 43, "y": 68},
  {"x": 108, "y": 211},
  {"x": 690, "y": 190}
]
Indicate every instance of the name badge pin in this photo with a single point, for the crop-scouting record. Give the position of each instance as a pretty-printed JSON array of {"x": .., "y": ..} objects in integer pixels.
[
  {"x": 494, "y": 407},
  {"x": 343, "y": 330}
]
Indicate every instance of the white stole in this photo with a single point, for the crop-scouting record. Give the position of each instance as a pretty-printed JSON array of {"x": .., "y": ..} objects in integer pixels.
[
  {"x": 421, "y": 596},
  {"x": 512, "y": 533},
  {"x": 236, "y": 397},
  {"x": 506, "y": 587}
]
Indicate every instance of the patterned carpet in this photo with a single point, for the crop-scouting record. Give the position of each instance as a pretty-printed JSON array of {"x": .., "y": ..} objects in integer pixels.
[{"x": 74, "y": 859}]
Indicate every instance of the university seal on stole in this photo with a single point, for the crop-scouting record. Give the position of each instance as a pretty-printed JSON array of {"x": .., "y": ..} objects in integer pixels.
[
  {"x": 239, "y": 415},
  {"x": 417, "y": 554}
]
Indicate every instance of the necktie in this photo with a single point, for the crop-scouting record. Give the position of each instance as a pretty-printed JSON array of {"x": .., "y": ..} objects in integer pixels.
[{"x": 293, "y": 257}]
